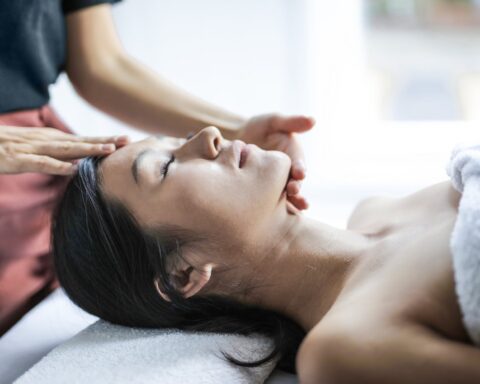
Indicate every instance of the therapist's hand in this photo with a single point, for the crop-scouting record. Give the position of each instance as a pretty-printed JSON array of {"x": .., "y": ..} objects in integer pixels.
[
  {"x": 276, "y": 132},
  {"x": 48, "y": 150}
]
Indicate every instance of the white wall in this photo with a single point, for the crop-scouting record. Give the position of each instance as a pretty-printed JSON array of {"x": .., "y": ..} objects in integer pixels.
[
  {"x": 241, "y": 54},
  {"x": 251, "y": 56},
  {"x": 291, "y": 56}
]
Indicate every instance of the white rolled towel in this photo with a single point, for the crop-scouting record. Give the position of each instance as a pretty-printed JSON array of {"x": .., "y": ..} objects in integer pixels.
[
  {"x": 108, "y": 353},
  {"x": 464, "y": 171}
]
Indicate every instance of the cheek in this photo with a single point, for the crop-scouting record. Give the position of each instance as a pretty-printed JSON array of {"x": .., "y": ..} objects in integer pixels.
[
  {"x": 206, "y": 196},
  {"x": 272, "y": 174},
  {"x": 215, "y": 199}
]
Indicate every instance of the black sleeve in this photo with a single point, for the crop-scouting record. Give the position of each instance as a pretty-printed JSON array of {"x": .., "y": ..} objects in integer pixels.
[{"x": 74, "y": 5}]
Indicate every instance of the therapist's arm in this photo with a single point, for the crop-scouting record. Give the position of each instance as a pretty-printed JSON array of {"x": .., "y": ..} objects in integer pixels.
[{"x": 112, "y": 81}]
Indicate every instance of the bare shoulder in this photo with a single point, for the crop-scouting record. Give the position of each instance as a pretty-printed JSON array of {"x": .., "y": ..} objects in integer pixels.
[
  {"x": 325, "y": 349},
  {"x": 366, "y": 214},
  {"x": 356, "y": 349},
  {"x": 433, "y": 195},
  {"x": 376, "y": 213}
]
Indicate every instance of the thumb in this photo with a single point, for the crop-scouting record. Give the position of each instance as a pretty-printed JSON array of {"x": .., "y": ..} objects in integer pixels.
[{"x": 292, "y": 124}]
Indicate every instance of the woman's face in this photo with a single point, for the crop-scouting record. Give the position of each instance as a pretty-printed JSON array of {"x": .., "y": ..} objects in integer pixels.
[{"x": 209, "y": 187}]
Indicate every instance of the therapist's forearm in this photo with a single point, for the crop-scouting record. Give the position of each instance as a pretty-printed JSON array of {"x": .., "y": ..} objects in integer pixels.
[{"x": 136, "y": 95}]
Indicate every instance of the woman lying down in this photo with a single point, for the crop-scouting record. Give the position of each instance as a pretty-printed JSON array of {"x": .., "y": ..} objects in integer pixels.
[{"x": 198, "y": 235}]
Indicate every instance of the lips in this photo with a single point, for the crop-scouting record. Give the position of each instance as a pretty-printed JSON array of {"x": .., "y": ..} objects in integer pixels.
[
  {"x": 240, "y": 152},
  {"x": 244, "y": 155}
]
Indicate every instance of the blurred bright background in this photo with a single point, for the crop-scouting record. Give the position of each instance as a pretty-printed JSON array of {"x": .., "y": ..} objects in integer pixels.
[{"x": 393, "y": 84}]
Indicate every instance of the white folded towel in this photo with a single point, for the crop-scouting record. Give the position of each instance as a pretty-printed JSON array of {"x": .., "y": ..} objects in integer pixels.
[
  {"x": 464, "y": 170},
  {"x": 108, "y": 353}
]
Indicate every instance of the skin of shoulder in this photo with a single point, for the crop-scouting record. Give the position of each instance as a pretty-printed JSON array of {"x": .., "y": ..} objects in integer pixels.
[
  {"x": 365, "y": 210},
  {"x": 344, "y": 351},
  {"x": 331, "y": 350},
  {"x": 352, "y": 345},
  {"x": 369, "y": 212}
]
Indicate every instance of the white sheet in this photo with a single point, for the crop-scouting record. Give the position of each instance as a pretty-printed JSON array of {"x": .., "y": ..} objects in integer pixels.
[
  {"x": 108, "y": 353},
  {"x": 50, "y": 323}
]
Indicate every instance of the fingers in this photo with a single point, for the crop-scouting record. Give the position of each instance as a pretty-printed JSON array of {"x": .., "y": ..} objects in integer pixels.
[
  {"x": 48, "y": 150},
  {"x": 293, "y": 187},
  {"x": 117, "y": 140},
  {"x": 295, "y": 152},
  {"x": 293, "y": 195},
  {"x": 292, "y": 209},
  {"x": 46, "y": 134},
  {"x": 66, "y": 150},
  {"x": 27, "y": 135},
  {"x": 292, "y": 124},
  {"x": 298, "y": 201},
  {"x": 298, "y": 170},
  {"x": 44, "y": 164}
]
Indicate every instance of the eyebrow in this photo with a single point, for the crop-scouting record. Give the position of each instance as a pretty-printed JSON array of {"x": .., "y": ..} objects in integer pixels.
[{"x": 137, "y": 160}]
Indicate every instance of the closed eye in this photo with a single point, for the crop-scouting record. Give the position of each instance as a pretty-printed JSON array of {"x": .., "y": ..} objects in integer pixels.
[{"x": 167, "y": 164}]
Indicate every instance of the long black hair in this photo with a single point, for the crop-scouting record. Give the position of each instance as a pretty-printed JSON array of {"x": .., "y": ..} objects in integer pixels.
[{"x": 107, "y": 265}]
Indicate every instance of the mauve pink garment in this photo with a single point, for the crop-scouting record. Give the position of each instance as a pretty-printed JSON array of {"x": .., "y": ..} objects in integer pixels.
[{"x": 26, "y": 204}]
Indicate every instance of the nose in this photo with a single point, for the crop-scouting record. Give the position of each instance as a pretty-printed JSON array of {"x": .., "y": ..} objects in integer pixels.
[{"x": 206, "y": 144}]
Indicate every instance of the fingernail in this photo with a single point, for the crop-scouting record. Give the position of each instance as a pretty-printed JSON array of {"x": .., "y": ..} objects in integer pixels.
[
  {"x": 108, "y": 147},
  {"x": 301, "y": 164},
  {"x": 122, "y": 138}
]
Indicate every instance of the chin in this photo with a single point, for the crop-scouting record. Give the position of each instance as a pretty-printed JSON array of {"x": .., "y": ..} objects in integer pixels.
[
  {"x": 278, "y": 170},
  {"x": 277, "y": 159}
]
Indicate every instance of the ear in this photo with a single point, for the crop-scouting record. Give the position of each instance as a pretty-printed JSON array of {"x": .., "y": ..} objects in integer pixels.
[{"x": 188, "y": 280}]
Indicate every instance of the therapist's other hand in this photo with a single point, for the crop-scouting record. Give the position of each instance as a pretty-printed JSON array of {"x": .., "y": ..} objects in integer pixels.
[
  {"x": 48, "y": 150},
  {"x": 276, "y": 132}
]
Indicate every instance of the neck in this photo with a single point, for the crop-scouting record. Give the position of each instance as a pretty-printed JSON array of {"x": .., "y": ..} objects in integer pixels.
[{"x": 305, "y": 268}]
